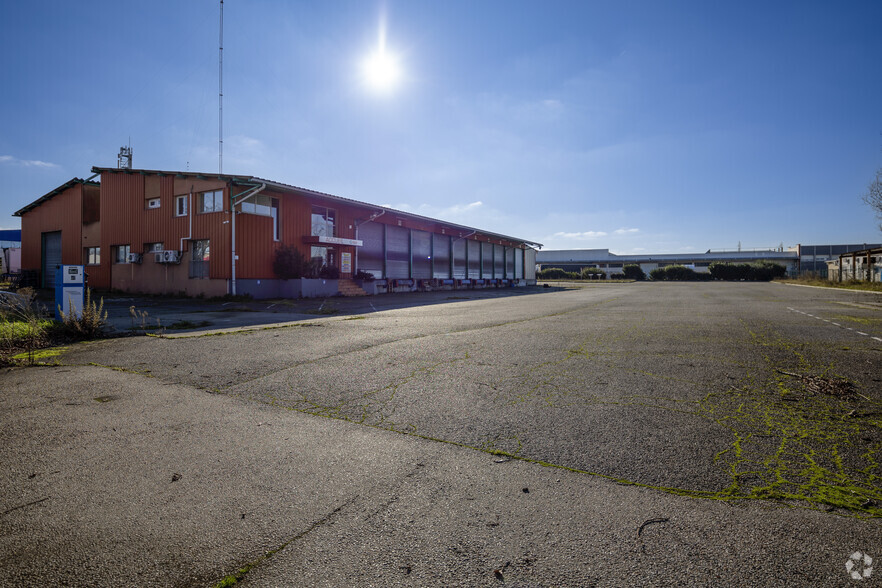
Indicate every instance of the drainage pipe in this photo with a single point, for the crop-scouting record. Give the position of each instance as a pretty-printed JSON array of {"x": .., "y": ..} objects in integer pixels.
[{"x": 233, "y": 202}]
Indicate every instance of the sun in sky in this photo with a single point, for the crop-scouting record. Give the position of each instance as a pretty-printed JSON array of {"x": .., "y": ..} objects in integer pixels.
[{"x": 381, "y": 69}]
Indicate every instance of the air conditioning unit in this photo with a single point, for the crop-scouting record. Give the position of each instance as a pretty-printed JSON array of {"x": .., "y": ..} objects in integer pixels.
[
  {"x": 134, "y": 258},
  {"x": 170, "y": 256},
  {"x": 158, "y": 257}
]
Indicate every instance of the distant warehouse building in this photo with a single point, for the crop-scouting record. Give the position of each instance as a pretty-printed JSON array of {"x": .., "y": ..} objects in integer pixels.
[
  {"x": 151, "y": 231},
  {"x": 574, "y": 260},
  {"x": 802, "y": 259}
]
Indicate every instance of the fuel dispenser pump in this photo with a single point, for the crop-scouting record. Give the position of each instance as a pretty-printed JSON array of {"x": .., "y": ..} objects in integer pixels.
[{"x": 70, "y": 289}]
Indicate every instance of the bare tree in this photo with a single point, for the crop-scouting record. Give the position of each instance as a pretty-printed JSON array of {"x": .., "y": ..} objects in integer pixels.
[{"x": 873, "y": 197}]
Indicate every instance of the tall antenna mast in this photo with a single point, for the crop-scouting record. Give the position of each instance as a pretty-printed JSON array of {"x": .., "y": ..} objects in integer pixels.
[{"x": 220, "y": 96}]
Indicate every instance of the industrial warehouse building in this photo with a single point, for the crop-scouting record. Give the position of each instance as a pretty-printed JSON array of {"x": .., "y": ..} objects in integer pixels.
[
  {"x": 170, "y": 232},
  {"x": 801, "y": 259}
]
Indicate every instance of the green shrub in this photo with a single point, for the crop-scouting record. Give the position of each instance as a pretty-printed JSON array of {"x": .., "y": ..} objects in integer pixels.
[
  {"x": 618, "y": 276},
  {"x": 23, "y": 326},
  {"x": 592, "y": 273},
  {"x": 761, "y": 271},
  {"x": 329, "y": 272},
  {"x": 289, "y": 263},
  {"x": 677, "y": 273},
  {"x": 632, "y": 271},
  {"x": 556, "y": 273}
]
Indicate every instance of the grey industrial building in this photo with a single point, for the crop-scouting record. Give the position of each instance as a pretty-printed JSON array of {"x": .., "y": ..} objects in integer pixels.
[{"x": 801, "y": 259}]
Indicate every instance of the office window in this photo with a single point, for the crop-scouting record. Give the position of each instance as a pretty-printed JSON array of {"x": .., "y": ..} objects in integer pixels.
[
  {"x": 181, "y": 205},
  {"x": 211, "y": 201},
  {"x": 152, "y": 247},
  {"x": 323, "y": 222},
  {"x": 122, "y": 253},
  {"x": 264, "y": 206},
  {"x": 93, "y": 256}
]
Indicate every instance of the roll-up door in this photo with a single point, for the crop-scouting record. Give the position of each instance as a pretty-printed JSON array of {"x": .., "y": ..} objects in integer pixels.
[
  {"x": 474, "y": 259},
  {"x": 519, "y": 263},
  {"x": 498, "y": 261},
  {"x": 459, "y": 259},
  {"x": 421, "y": 242},
  {"x": 441, "y": 256},
  {"x": 487, "y": 260},
  {"x": 370, "y": 255},
  {"x": 397, "y": 252},
  {"x": 530, "y": 264},
  {"x": 51, "y": 257},
  {"x": 509, "y": 263}
]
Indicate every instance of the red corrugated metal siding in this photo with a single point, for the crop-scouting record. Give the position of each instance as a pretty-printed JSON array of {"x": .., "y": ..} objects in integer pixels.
[
  {"x": 126, "y": 220},
  {"x": 63, "y": 212}
]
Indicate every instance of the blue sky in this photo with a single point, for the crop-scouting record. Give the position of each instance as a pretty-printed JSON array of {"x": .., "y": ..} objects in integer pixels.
[{"x": 632, "y": 126}]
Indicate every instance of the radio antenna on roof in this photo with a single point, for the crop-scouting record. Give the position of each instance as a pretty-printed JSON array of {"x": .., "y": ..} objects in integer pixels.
[{"x": 220, "y": 97}]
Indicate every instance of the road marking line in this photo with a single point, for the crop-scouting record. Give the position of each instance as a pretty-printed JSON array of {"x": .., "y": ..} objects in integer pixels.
[{"x": 836, "y": 324}]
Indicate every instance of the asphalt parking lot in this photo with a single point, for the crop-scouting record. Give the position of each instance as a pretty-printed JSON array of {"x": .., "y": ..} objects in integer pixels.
[{"x": 616, "y": 434}]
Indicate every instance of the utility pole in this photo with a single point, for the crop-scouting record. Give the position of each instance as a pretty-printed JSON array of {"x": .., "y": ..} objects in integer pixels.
[{"x": 220, "y": 97}]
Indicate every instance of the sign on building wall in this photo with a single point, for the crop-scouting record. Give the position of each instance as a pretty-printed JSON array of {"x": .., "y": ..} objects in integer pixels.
[{"x": 346, "y": 263}]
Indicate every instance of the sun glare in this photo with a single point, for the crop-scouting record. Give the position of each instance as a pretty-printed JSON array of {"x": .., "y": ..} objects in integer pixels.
[{"x": 381, "y": 69}]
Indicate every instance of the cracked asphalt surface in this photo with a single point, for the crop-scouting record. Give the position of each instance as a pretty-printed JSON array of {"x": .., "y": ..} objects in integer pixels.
[{"x": 615, "y": 434}]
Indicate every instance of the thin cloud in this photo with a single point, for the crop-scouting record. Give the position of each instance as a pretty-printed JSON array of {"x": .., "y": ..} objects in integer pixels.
[
  {"x": 584, "y": 235},
  {"x": 10, "y": 160},
  {"x": 626, "y": 231},
  {"x": 450, "y": 212}
]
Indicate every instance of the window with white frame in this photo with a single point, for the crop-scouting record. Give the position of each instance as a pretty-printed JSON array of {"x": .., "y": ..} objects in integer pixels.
[
  {"x": 181, "y": 205},
  {"x": 122, "y": 253},
  {"x": 93, "y": 256},
  {"x": 264, "y": 206},
  {"x": 211, "y": 201}
]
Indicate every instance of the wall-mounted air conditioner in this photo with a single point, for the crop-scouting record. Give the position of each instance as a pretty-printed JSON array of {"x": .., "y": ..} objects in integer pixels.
[
  {"x": 167, "y": 256},
  {"x": 134, "y": 258}
]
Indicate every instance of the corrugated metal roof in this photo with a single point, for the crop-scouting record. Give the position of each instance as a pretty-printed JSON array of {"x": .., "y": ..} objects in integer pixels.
[
  {"x": 52, "y": 194},
  {"x": 254, "y": 180}
]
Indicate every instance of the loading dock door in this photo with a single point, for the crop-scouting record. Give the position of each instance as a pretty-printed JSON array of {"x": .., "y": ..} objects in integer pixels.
[
  {"x": 51, "y": 257},
  {"x": 371, "y": 256},
  {"x": 397, "y": 252}
]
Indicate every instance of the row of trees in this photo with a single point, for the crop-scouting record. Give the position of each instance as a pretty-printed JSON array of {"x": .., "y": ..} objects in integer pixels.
[
  {"x": 761, "y": 271},
  {"x": 629, "y": 272}
]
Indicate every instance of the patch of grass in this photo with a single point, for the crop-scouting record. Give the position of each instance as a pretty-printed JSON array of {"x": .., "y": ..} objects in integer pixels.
[
  {"x": 11, "y": 330},
  {"x": 355, "y": 318},
  {"x": 858, "y": 319},
  {"x": 325, "y": 308},
  {"x": 185, "y": 324},
  {"x": 40, "y": 354},
  {"x": 849, "y": 285}
]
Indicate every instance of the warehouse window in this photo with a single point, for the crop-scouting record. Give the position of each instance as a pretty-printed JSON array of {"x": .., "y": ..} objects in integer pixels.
[
  {"x": 152, "y": 247},
  {"x": 264, "y": 206},
  {"x": 200, "y": 258},
  {"x": 323, "y": 221},
  {"x": 211, "y": 201},
  {"x": 93, "y": 256},
  {"x": 122, "y": 253},
  {"x": 181, "y": 205}
]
